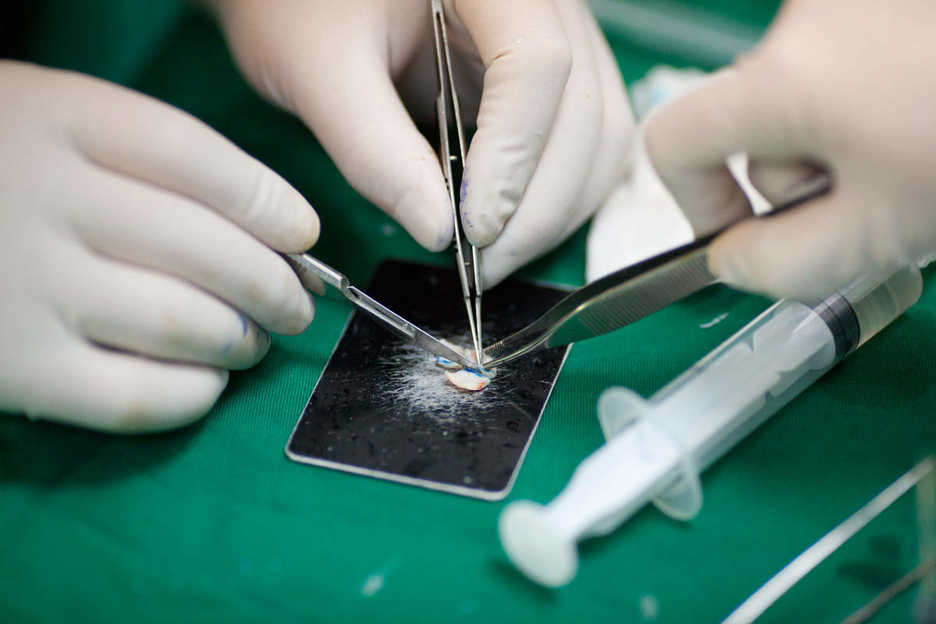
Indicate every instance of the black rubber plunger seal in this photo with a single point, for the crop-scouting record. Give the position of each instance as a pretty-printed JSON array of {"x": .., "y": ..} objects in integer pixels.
[{"x": 840, "y": 316}]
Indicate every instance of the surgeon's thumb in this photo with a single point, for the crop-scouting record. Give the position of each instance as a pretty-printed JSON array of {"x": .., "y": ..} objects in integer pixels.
[
  {"x": 805, "y": 253},
  {"x": 741, "y": 109}
]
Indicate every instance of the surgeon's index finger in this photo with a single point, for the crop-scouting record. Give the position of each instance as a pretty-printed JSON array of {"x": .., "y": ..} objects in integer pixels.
[
  {"x": 352, "y": 106},
  {"x": 749, "y": 109},
  {"x": 528, "y": 59},
  {"x": 154, "y": 142}
]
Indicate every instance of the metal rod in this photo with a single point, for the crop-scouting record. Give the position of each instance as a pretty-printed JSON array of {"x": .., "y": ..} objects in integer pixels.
[
  {"x": 782, "y": 581},
  {"x": 893, "y": 590}
]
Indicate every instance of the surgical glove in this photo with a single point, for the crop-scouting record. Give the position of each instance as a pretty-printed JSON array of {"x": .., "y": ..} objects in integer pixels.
[
  {"x": 552, "y": 114},
  {"x": 135, "y": 245},
  {"x": 836, "y": 86}
]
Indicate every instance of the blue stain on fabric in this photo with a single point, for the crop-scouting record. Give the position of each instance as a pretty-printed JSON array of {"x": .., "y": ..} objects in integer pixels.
[{"x": 243, "y": 320}]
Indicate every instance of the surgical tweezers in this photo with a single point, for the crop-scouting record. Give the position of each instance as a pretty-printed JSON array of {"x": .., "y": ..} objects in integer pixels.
[
  {"x": 311, "y": 271},
  {"x": 629, "y": 294},
  {"x": 452, "y": 159}
]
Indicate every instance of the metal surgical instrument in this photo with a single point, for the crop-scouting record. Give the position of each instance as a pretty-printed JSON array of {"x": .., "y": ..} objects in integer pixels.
[
  {"x": 312, "y": 271},
  {"x": 629, "y": 294},
  {"x": 452, "y": 159}
]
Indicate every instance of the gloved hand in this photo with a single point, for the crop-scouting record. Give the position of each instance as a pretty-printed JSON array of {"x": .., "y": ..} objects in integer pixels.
[
  {"x": 838, "y": 85},
  {"x": 553, "y": 124},
  {"x": 133, "y": 247}
]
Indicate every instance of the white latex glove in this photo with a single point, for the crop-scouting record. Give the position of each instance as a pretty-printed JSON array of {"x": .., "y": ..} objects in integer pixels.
[
  {"x": 840, "y": 85},
  {"x": 553, "y": 126},
  {"x": 133, "y": 247}
]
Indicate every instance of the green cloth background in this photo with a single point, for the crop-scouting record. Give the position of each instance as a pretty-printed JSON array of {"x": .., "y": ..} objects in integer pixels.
[{"x": 213, "y": 523}]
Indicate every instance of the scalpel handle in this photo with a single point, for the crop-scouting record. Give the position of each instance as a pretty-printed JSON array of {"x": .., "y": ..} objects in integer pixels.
[
  {"x": 312, "y": 272},
  {"x": 308, "y": 269}
]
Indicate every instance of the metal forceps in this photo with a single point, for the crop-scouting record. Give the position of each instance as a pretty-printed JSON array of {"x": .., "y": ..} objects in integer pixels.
[
  {"x": 631, "y": 293},
  {"x": 452, "y": 159}
]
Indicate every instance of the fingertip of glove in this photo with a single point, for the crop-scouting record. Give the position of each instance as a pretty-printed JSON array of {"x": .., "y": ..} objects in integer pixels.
[
  {"x": 302, "y": 316},
  {"x": 724, "y": 266},
  {"x": 742, "y": 259},
  {"x": 196, "y": 391},
  {"x": 486, "y": 207},
  {"x": 425, "y": 213},
  {"x": 286, "y": 306},
  {"x": 313, "y": 227},
  {"x": 479, "y": 232},
  {"x": 220, "y": 378},
  {"x": 201, "y": 397},
  {"x": 731, "y": 260},
  {"x": 304, "y": 228},
  {"x": 435, "y": 237},
  {"x": 483, "y": 219},
  {"x": 442, "y": 239}
]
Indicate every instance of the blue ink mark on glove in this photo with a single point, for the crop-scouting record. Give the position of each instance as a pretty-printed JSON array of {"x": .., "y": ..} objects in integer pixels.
[{"x": 463, "y": 191}]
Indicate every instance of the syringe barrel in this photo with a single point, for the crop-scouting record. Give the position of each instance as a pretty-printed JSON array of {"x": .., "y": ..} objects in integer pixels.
[
  {"x": 656, "y": 447},
  {"x": 750, "y": 376},
  {"x": 877, "y": 302}
]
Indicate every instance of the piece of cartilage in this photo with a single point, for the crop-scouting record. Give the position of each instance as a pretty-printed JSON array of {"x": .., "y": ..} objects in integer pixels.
[
  {"x": 468, "y": 379},
  {"x": 464, "y": 378}
]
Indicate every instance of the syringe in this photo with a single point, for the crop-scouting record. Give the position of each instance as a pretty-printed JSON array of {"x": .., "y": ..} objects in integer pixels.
[{"x": 655, "y": 448}]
